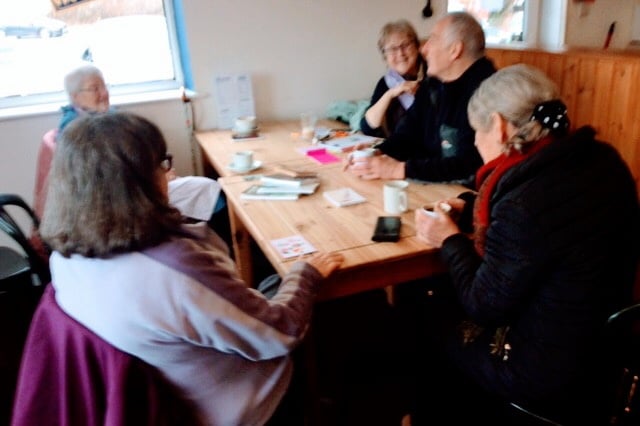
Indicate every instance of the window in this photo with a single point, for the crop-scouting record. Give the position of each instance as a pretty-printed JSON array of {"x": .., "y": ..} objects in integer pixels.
[
  {"x": 504, "y": 21},
  {"x": 133, "y": 42}
]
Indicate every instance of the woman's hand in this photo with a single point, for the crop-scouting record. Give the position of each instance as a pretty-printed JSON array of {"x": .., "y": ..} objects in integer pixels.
[
  {"x": 377, "y": 167},
  {"x": 326, "y": 263},
  {"x": 434, "y": 229},
  {"x": 457, "y": 206}
]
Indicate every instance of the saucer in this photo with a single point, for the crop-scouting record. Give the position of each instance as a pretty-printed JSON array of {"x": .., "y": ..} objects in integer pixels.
[
  {"x": 256, "y": 165},
  {"x": 243, "y": 134}
]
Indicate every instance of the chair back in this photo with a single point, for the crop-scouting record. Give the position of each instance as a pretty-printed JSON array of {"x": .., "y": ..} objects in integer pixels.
[
  {"x": 22, "y": 275},
  {"x": 69, "y": 376},
  {"x": 619, "y": 400},
  {"x": 623, "y": 330},
  {"x": 17, "y": 304},
  {"x": 37, "y": 257},
  {"x": 45, "y": 157}
]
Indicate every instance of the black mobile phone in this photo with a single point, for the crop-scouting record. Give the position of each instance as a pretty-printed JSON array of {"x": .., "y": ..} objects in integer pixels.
[{"x": 387, "y": 229}]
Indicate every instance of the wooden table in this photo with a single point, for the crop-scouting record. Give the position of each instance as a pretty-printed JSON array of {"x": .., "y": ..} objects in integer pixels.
[
  {"x": 277, "y": 141},
  {"x": 368, "y": 265}
]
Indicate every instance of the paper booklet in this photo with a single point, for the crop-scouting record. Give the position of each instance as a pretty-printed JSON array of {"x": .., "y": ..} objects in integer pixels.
[
  {"x": 346, "y": 142},
  {"x": 281, "y": 179},
  {"x": 294, "y": 172},
  {"x": 344, "y": 197},
  {"x": 293, "y": 246},
  {"x": 309, "y": 188},
  {"x": 252, "y": 193}
]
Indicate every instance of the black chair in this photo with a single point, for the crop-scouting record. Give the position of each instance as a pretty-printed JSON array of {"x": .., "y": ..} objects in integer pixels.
[
  {"x": 622, "y": 405},
  {"x": 624, "y": 344},
  {"x": 22, "y": 280},
  {"x": 521, "y": 416},
  {"x": 34, "y": 258}
]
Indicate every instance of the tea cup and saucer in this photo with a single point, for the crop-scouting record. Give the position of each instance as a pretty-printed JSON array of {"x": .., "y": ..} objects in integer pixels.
[{"x": 243, "y": 162}]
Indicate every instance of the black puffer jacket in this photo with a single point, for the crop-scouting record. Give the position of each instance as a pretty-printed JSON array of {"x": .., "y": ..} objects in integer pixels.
[{"x": 560, "y": 253}]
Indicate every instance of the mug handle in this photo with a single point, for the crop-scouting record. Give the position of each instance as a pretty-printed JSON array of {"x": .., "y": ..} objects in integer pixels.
[{"x": 402, "y": 201}]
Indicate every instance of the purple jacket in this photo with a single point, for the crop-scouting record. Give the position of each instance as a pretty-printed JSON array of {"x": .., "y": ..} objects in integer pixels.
[{"x": 69, "y": 376}]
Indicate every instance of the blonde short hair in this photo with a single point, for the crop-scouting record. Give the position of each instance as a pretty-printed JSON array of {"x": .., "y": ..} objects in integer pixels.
[{"x": 402, "y": 27}]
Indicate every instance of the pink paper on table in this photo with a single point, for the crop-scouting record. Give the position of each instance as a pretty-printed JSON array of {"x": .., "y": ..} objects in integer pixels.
[{"x": 322, "y": 156}]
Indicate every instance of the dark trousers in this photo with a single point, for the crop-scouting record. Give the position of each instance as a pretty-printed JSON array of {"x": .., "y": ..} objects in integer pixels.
[{"x": 440, "y": 393}]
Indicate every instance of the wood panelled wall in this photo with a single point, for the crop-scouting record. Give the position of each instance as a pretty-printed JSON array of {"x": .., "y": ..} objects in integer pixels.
[{"x": 601, "y": 89}]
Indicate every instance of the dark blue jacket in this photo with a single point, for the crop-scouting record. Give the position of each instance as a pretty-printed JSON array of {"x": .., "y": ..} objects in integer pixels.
[{"x": 434, "y": 138}]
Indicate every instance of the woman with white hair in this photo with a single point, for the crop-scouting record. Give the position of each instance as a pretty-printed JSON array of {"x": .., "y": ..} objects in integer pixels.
[
  {"x": 87, "y": 93},
  {"x": 555, "y": 226},
  {"x": 197, "y": 197}
]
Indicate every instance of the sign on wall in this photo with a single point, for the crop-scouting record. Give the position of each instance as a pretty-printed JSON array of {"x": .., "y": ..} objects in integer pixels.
[{"x": 233, "y": 97}]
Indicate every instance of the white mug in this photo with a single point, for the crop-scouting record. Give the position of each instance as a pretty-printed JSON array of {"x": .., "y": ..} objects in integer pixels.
[
  {"x": 395, "y": 196},
  {"x": 430, "y": 210},
  {"x": 361, "y": 153},
  {"x": 245, "y": 124},
  {"x": 243, "y": 160}
]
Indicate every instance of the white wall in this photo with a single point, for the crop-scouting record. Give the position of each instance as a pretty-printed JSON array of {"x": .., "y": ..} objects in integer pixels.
[
  {"x": 588, "y": 23},
  {"x": 302, "y": 55}
]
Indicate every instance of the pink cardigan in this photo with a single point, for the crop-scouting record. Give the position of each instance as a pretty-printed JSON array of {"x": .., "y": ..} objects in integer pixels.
[{"x": 45, "y": 156}]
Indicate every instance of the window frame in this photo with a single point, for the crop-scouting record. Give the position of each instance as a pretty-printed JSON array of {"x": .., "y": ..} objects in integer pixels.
[
  {"x": 531, "y": 26},
  {"x": 15, "y": 106}
]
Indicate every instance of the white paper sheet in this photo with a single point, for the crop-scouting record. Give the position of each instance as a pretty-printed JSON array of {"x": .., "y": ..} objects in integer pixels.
[{"x": 233, "y": 98}]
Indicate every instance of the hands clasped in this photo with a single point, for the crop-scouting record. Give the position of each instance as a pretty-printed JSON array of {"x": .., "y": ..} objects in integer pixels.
[{"x": 409, "y": 87}]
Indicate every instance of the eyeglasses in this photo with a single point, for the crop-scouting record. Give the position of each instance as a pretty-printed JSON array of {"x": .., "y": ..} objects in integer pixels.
[
  {"x": 95, "y": 89},
  {"x": 167, "y": 163},
  {"x": 394, "y": 50}
]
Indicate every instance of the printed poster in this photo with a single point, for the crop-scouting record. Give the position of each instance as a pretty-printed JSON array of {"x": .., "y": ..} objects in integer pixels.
[{"x": 233, "y": 97}]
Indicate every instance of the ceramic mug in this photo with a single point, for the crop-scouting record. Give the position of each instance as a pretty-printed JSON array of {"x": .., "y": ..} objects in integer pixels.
[
  {"x": 395, "y": 196},
  {"x": 245, "y": 124},
  {"x": 430, "y": 211},
  {"x": 243, "y": 160},
  {"x": 361, "y": 153}
]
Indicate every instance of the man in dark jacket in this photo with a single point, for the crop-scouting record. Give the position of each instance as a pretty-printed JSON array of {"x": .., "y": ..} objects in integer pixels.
[{"x": 434, "y": 141}]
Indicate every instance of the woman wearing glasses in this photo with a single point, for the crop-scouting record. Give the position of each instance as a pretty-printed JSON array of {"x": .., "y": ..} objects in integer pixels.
[
  {"x": 127, "y": 267},
  {"x": 198, "y": 198},
  {"x": 393, "y": 95},
  {"x": 87, "y": 93}
]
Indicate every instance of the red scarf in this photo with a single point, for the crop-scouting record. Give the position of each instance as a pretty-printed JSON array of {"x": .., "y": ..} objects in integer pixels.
[{"x": 487, "y": 179}]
